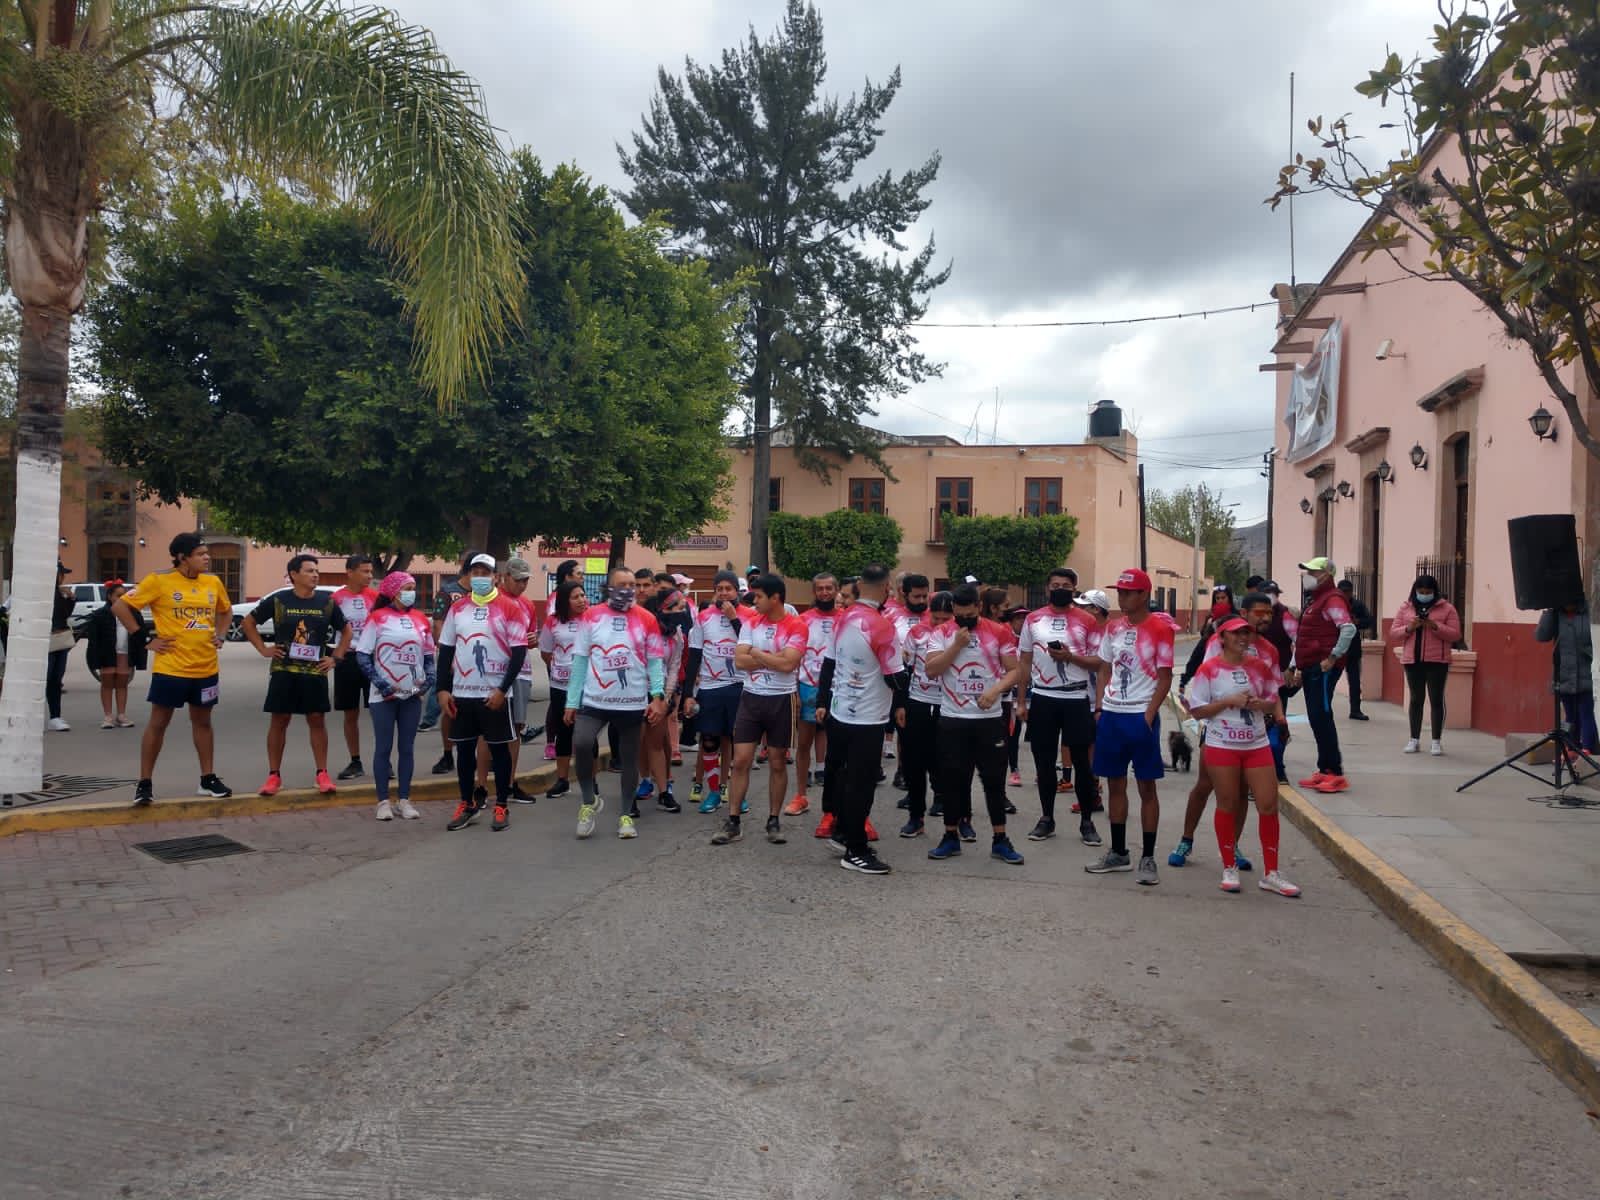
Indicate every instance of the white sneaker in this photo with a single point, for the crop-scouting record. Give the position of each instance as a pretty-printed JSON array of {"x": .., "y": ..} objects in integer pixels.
[
  {"x": 57, "y": 725},
  {"x": 1436, "y": 749},
  {"x": 1277, "y": 883},
  {"x": 1230, "y": 879},
  {"x": 1413, "y": 746},
  {"x": 385, "y": 813},
  {"x": 626, "y": 828},
  {"x": 586, "y": 815},
  {"x": 408, "y": 811}
]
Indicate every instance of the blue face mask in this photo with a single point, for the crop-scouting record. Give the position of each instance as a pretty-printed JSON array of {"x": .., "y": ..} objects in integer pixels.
[
  {"x": 408, "y": 597},
  {"x": 1424, "y": 597},
  {"x": 482, "y": 585}
]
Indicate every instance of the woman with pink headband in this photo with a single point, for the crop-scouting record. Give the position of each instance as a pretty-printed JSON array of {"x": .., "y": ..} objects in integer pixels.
[{"x": 396, "y": 653}]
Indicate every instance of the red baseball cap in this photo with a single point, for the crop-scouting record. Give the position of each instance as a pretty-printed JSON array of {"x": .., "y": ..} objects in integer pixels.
[
  {"x": 1234, "y": 623},
  {"x": 1133, "y": 580}
]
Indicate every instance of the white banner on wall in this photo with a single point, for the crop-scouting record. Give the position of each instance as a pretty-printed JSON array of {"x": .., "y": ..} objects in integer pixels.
[{"x": 1313, "y": 412}]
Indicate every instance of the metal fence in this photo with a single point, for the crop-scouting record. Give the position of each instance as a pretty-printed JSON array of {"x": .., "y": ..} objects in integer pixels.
[{"x": 1364, "y": 587}]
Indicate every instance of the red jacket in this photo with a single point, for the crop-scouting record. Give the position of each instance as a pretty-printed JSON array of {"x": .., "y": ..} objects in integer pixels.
[
  {"x": 1324, "y": 613},
  {"x": 1434, "y": 643}
]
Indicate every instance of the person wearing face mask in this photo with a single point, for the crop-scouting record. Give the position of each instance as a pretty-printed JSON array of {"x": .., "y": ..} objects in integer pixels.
[
  {"x": 395, "y": 653},
  {"x": 513, "y": 582},
  {"x": 809, "y": 737},
  {"x": 1425, "y": 629},
  {"x": 919, "y": 739},
  {"x": 717, "y": 686},
  {"x": 1567, "y": 630},
  {"x": 558, "y": 638},
  {"x": 905, "y": 614},
  {"x": 1059, "y": 663},
  {"x": 1326, "y": 633},
  {"x": 671, "y": 612},
  {"x": 1222, "y": 609},
  {"x": 618, "y": 679}
]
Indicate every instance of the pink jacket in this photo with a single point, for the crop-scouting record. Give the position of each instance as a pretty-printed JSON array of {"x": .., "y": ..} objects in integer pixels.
[{"x": 1435, "y": 643}]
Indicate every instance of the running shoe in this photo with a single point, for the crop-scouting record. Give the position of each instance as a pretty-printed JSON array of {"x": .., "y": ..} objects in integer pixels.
[
  {"x": 408, "y": 810},
  {"x": 633, "y": 809},
  {"x": 866, "y": 864},
  {"x": 1010, "y": 808},
  {"x": 1435, "y": 748},
  {"x": 211, "y": 786},
  {"x": 824, "y": 826},
  {"x": 273, "y": 785},
  {"x": 644, "y": 791},
  {"x": 446, "y": 764},
  {"x": 530, "y": 735},
  {"x": 967, "y": 832},
  {"x": 626, "y": 828},
  {"x": 1014, "y": 779},
  {"x": 1108, "y": 862},
  {"x": 1314, "y": 781},
  {"x": 711, "y": 803},
  {"x": 1332, "y": 784},
  {"x": 518, "y": 796},
  {"x": 667, "y": 802},
  {"x": 385, "y": 812},
  {"x": 502, "y": 816},
  {"x": 1230, "y": 879},
  {"x": 775, "y": 832},
  {"x": 57, "y": 725},
  {"x": 354, "y": 770},
  {"x": 1180, "y": 855},
  {"x": 872, "y": 834},
  {"x": 1146, "y": 873},
  {"x": 1240, "y": 861},
  {"x": 465, "y": 812},
  {"x": 144, "y": 794},
  {"x": 899, "y": 779},
  {"x": 108, "y": 723},
  {"x": 677, "y": 759},
  {"x": 796, "y": 806},
  {"x": 1087, "y": 833},
  {"x": 1273, "y": 882},
  {"x": 480, "y": 797},
  {"x": 904, "y": 802},
  {"x": 427, "y": 726},
  {"x": 1005, "y": 852},
  {"x": 697, "y": 792},
  {"x": 587, "y": 814},
  {"x": 549, "y": 752},
  {"x": 559, "y": 788},
  {"x": 888, "y": 749},
  {"x": 949, "y": 847},
  {"x": 1045, "y": 829},
  {"x": 937, "y": 810},
  {"x": 1093, "y": 808},
  {"x": 744, "y": 807},
  {"x": 730, "y": 832},
  {"x": 835, "y": 846},
  {"x": 1413, "y": 746},
  {"x": 761, "y": 755},
  {"x": 1063, "y": 787},
  {"x": 911, "y": 829}
]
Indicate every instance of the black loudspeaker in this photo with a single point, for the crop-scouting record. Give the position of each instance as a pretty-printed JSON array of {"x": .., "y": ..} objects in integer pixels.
[{"x": 1544, "y": 561}]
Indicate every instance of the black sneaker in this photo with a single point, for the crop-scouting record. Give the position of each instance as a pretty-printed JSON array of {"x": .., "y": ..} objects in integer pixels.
[
  {"x": 937, "y": 810},
  {"x": 775, "y": 832},
  {"x": 1359, "y": 716},
  {"x": 967, "y": 832},
  {"x": 730, "y": 832},
  {"x": 354, "y": 771},
  {"x": 427, "y": 726},
  {"x": 518, "y": 796},
  {"x": 1010, "y": 808},
  {"x": 480, "y": 797},
  {"x": 560, "y": 788},
  {"x": 868, "y": 863},
  {"x": 1046, "y": 828},
  {"x": 446, "y": 764},
  {"x": 633, "y": 809},
  {"x": 210, "y": 785},
  {"x": 465, "y": 814},
  {"x": 900, "y": 779},
  {"x": 903, "y": 802},
  {"x": 532, "y": 734},
  {"x": 911, "y": 829},
  {"x": 667, "y": 802},
  {"x": 1087, "y": 833},
  {"x": 144, "y": 794}
]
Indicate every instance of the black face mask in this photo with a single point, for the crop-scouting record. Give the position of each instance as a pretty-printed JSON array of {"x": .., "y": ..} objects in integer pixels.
[
  {"x": 824, "y": 605},
  {"x": 917, "y": 610},
  {"x": 673, "y": 622},
  {"x": 967, "y": 622},
  {"x": 1061, "y": 597}
]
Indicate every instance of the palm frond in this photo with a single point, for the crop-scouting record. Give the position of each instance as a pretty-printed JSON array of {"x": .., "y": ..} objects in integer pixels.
[{"x": 359, "y": 94}]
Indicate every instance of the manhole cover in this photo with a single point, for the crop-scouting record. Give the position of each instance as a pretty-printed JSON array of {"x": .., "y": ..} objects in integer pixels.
[{"x": 192, "y": 849}]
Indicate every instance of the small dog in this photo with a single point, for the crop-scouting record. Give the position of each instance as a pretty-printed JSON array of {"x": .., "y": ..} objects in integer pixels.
[{"x": 1179, "y": 750}]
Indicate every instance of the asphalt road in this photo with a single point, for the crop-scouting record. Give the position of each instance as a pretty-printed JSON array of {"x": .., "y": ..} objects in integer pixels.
[{"x": 481, "y": 1016}]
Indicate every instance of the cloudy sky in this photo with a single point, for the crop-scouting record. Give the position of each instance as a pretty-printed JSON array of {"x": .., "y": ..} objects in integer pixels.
[{"x": 1099, "y": 161}]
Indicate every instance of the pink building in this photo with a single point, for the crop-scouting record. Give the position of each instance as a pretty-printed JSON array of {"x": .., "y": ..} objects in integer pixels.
[{"x": 1428, "y": 453}]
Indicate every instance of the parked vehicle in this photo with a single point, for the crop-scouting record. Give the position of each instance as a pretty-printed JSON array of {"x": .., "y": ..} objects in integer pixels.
[
  {"x": 88, "y": 599},
  {"x": 245, "y": 607}
]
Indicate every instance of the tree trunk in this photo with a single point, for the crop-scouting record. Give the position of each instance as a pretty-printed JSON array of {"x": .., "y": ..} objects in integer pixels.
[
  {"x": 42, "y": 366},
  {"x": 761, "y": 441},
  {"x": 619, "y": 547}
]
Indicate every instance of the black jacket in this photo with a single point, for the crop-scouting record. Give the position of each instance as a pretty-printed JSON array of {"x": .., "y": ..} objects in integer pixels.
[{"x": 100, "y": 641}]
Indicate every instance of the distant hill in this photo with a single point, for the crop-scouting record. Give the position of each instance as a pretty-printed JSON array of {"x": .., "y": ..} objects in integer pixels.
[{"x": 1251, "y": 543}]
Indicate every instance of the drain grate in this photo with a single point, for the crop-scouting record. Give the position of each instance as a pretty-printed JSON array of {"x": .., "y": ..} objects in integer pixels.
[
  {"x": 63, "y": 787},
  {"x": 192, "y": 849}
]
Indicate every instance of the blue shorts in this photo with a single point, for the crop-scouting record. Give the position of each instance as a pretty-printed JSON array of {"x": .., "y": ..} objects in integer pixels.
[
  {"x": 1126, "y": 739},
  {"x": 808, "y": 704},
  {"x": 719, "y": 707},
  {"x": 175, "y": 691}
]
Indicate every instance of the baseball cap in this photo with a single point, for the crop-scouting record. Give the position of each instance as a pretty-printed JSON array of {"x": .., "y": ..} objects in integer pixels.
[
  {"x": 1132, "y": 580},
  {"x": 752, "y": 569},
  {"x": 517, "y": 568},
  {"x": 1234, "y": 623},
  {"x": 682, "y": 581},
  {"x": 1271, "y": 588},
  {"x": 478, "y": 560},
  {"x": 1094, "y": 598},
  {"x": 1318, "y": 565},
  {"x": 1020, "y": 610}
]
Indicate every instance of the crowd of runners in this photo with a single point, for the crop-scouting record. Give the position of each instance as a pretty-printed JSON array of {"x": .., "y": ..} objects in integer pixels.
[{"x": 878, "y": 671}]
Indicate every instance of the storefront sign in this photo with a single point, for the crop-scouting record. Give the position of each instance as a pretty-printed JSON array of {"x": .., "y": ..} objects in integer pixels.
[
  {"x": 548, "y": 549},
  {"x": 701, "y": 542}
]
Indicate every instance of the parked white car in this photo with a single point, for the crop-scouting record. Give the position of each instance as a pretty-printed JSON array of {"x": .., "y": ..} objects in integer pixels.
[
  {"x": 88, "y": 599},
  {"x": 244, "y": 608}
]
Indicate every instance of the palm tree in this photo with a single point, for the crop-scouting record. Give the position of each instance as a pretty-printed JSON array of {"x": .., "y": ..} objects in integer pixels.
[{"x": 301, "y": 88}]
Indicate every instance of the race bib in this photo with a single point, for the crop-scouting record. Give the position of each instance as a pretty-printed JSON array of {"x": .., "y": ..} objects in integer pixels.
[
  {"x": 720, "y": 650},
  {"x": 969, "y": 687},
  {"x": 304, "y": 652},
  {"x": 406, "y": 656},
  {"x": 208, "y": 695}
]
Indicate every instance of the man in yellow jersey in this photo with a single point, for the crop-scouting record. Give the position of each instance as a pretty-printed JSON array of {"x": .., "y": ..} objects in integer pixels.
[{"x": 191, "y": 611}]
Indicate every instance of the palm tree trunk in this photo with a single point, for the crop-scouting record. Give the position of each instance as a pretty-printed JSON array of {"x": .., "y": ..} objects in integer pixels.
[{"x": 42, "y": 366}]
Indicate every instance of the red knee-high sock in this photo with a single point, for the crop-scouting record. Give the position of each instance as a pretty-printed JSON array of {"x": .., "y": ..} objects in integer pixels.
[
  {"x": 713, "y": 765},
  {"x": 1223, "y": 821},
  {"x": 1268, "y": 824}
]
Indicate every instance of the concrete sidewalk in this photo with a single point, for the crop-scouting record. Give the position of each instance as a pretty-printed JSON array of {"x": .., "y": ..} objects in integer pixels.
[{"x": 1524, "y": 874}]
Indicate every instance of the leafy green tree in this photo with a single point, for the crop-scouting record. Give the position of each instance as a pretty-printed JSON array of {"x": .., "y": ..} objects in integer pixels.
[
  {"x": 1173, "y": 513},
  {"x": 307, "y": 87},
  {"x": 1514, "y": 91},
  {"x": 842, "y": 541},
  {"x": 753, "y": 168},
  {"x": 1007, "y": 550},
  {"x": 255, "y": 357}
]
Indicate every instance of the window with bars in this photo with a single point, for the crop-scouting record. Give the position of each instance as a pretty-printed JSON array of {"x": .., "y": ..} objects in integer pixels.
[
  {"x": 1041, "y": 497},
  {"x": 954, "y": 499},
  {"x": 866, "y": 495},
  {"x": 775, "y": 494}
]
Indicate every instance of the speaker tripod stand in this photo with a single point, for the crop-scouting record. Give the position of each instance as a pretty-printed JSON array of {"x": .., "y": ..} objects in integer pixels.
[{"x": 1568, "y": 755}]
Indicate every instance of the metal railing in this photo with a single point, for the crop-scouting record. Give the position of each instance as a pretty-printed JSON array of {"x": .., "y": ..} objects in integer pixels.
[{"x": 1364, "y": 587}]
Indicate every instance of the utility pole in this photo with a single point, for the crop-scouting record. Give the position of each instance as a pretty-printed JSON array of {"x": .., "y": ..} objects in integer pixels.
[
  {"x": 1271, "y": 458},
  {"x": 1144, "y": 523},
  {"x": 1194, "y": 578}
]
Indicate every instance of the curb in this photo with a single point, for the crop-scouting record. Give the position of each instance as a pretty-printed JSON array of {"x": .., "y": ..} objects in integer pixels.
[
  {"x": 1566, "y": 1040},
  {"x": 46, "y": 819}
]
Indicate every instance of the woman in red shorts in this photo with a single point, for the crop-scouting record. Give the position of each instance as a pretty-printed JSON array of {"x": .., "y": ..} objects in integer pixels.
[{"x": 1233, "y": 694}]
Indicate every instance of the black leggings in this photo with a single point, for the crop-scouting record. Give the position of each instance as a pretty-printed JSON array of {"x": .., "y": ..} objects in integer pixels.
[
  {"x": 1429, "y": 677},
  {"x": 467, "y": 768},
  {"x": 855, "y": 755},
  {"x": 1013, "y": 733},
  {"x": 1051, "y": 721},
  {"x": 556, "y": 730},
  {"x": 55, "y": 673},
  {"x": 967, "y": 744},
  {"x": 919, "y": 761}
]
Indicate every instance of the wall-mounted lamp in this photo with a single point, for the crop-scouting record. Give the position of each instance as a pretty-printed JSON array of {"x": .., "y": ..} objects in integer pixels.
[
  {"x": 1419, "y": 458},
  {"x": 141, "y": 542},
  {"x": 1328, "y": 496},
  {"x": 1543, "y": 423},
  {"x": 1305, "y": 506},
  {"x": 1345, "y": 489},
  {"x": 1385, "y": 472},
  {"x": 63, "y": 541}
]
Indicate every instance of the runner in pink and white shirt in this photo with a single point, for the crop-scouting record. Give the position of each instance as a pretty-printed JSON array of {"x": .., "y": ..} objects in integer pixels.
[
  {"x": 919, "y": 739},
  {"x": 355, "y": 599},
  {"x": 395, "y": 653},
  {"x": 715, "y": 685},
  {"x": 558, "y": 639},
  {"x": 811, "y": 740}
]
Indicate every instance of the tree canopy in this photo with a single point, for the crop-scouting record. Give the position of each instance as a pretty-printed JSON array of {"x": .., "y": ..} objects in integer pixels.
[
  {"x": 1173, "y": 513},
  {"x": 842, "y": 541},
  {"x": 1007, "y": 550},
  {"x": 1515, "y": 89},
  {"x": 753, "y": 168},
  {"x": 256, "y": 357}
]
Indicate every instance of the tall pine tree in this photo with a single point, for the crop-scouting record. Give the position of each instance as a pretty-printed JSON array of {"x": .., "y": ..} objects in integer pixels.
[{"x": 752, "y": 167}]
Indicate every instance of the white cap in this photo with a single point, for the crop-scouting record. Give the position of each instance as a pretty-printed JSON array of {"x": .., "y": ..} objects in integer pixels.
[
  {"x": 1094, "y": 598},
  {"x": 483, "y": 560}
]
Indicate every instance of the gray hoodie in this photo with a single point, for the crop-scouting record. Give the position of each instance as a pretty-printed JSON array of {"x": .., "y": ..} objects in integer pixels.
[{"x": 1574, "y": 652}]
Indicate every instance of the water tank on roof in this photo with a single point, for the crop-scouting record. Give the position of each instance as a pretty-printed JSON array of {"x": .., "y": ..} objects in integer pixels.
[{"x": 1105, "y": 420}]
